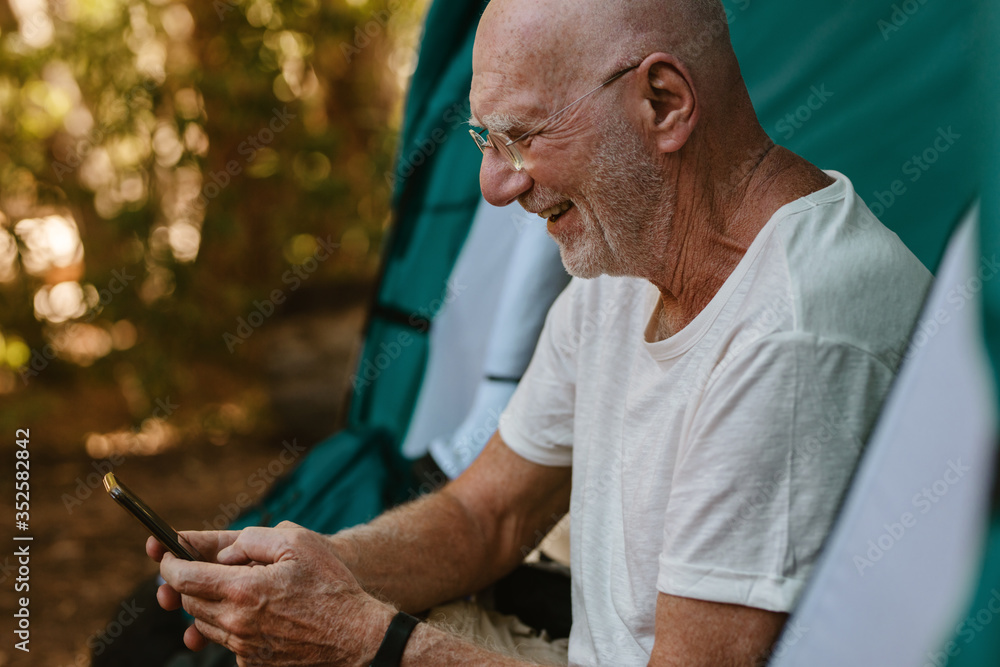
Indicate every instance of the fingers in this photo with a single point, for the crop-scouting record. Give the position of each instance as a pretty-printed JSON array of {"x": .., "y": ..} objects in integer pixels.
[
  {"x": 209, "y": 632},
  {"x": 210, "y": 542},
  {"x": 194, "y": 639},
  {"x": 168, "y": 598},
  {"x": 260, "y": 545},
  {"x": 207, "y": 543},
  {"x": 154, "y": 549},
  {"x": 205, "y": 627},
  {"x": 203, "y": 580}
]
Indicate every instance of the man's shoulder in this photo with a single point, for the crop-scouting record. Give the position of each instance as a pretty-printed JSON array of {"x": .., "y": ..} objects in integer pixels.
[
  {"x": 850, "y": 277},
  {"x": 833, "y": 227}
]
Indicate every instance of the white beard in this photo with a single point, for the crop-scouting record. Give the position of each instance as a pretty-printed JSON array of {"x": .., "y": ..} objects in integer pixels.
[{"x": 625, "y": 210}]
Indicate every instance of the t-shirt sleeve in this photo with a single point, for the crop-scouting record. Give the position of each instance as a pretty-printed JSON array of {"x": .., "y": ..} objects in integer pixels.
[
  {"x": 538, "y": 421},
  {"x": 760, "y": 476}
]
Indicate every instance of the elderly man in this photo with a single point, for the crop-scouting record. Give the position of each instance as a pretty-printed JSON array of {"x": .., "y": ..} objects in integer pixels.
[{"x": 698, "y": 407}]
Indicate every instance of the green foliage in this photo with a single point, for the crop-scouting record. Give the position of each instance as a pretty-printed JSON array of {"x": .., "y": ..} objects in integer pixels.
[{"x": 165, "y": 164}]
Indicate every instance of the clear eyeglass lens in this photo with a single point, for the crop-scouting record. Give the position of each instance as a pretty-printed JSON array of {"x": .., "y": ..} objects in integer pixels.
[
  {"x": 509, "y": 152},
  {"x": 499, "y": 141},
  {"x": 478, "y": 138},
  {"x": 514, "y": 156}
]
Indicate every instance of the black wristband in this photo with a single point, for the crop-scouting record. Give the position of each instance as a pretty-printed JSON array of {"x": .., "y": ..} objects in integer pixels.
[{"x": 390, "y": 653}]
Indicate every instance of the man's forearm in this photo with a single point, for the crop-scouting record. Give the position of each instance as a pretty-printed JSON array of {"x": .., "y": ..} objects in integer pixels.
[
  {"x": 420, "y": 554},
  {"x": 462, "y": 538}
]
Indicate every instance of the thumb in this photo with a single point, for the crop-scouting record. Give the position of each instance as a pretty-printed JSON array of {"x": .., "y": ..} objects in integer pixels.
[{"x": 255, "y": 545}]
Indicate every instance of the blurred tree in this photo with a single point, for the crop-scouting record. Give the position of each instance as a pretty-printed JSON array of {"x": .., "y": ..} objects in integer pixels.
[{"x": 167, "y": 167}]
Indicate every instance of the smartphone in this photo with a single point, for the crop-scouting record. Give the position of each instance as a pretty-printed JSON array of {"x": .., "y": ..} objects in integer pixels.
[{"x": 160, "y": 529}]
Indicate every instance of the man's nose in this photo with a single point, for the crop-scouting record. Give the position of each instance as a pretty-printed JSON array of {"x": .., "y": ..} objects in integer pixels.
[{"x": 500, "y": 184}]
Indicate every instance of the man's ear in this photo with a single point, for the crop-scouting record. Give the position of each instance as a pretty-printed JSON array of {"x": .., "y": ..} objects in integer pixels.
[{"x": 672, "y": 111}]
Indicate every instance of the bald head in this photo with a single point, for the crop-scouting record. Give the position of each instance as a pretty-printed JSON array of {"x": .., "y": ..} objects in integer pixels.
[{"x": 562, "y": 41}]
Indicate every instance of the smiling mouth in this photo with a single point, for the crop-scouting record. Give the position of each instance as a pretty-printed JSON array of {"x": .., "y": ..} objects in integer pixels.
[{"x": 553, "y": 213}]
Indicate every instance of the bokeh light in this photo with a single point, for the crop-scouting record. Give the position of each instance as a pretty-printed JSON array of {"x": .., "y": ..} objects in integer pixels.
[
  {"x": 50, "y": 242},
  {"x": 61, "y": 302}
]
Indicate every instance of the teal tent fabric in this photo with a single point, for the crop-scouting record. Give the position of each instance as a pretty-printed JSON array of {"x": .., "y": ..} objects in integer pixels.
[
  {"x": 883, "y": 92},
  {"x": 978, "y": 641},
  {"x": 989, "y": 72},
  {"x": 357, "y": 473},
  {"x": 436, "y": 194},
  {"x": 342, "y": 482}
]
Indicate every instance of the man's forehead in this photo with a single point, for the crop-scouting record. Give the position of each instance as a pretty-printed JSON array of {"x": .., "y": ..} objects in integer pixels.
[
  {"x": 500, "y": 102},
  {"x": 527, "y": 56}
]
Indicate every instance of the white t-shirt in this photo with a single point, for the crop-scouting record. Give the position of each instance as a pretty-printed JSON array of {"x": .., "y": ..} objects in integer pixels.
[{"x": 710, "y": 465}]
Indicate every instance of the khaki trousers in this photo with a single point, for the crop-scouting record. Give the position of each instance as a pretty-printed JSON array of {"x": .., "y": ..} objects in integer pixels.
[{"x": 498, "y": 632}]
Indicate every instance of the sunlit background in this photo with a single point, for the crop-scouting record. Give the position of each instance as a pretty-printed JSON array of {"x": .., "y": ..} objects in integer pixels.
[
  {"x": 166, "y": 168},
  {"x": 162, "y": 165}
]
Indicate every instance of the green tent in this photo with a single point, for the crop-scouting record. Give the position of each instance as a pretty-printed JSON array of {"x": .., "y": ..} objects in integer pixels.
[
  {"x": 983, "y": 647},
  {"x": 883, "y": 92}
]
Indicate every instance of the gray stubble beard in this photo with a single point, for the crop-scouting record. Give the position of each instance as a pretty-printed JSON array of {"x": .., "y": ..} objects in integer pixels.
[{"x": 628, "y": 227}]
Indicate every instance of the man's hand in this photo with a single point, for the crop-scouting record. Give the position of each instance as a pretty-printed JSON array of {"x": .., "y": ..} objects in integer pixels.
[
  {"x": 273, "y": 596},
  {"x": 208, "y": 543}
]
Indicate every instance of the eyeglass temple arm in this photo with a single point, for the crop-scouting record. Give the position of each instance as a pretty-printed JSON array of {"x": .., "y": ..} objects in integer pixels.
[{"x": 538, "y": 127}]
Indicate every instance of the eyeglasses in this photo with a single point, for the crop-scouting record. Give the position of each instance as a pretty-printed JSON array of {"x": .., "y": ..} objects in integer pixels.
[{"x": 505, "y": 145}]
